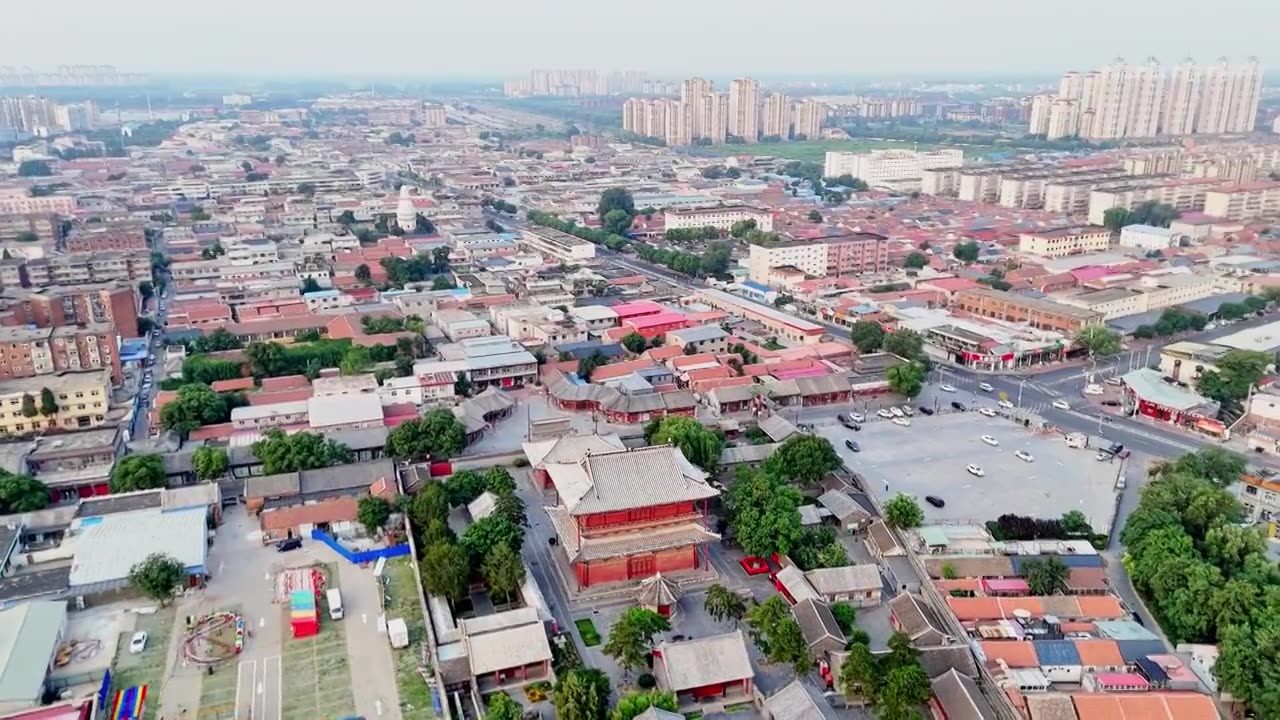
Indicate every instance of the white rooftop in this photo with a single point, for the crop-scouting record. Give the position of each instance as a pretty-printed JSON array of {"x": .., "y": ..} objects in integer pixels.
[
  {"x": 331, "y": 410},
  {"x": 106, "y": 547}
]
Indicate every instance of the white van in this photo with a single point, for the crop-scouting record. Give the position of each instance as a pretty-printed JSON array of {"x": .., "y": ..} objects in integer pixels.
[{"x": 334, "y": 596}]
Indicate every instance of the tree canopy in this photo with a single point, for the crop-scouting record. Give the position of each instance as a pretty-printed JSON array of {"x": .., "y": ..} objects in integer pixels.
[
  {"x": 867, "y": 335},
  {"x": 631, "y": 637},
  {"x": 438, "y": 434},
  {"x": 138, "y": 471},
  {"x": 281, "y": 453},
  {"x": 1098, "y": 340},
  {"x": 21, "y": 494},
  {"x": 764, "y": 513},
  {"x": 778, "y": 635},
  {"x": 967, "y": 251},
  {"x": 582, "y": 694},
  {"x": 906, "y": 378},
  {"x": 210, "y": 463},
  {"x": 373, "y": 512},
  {"x": 905, "y": 343},
  {"x": 699, "y": 444},
  {"x": 445, "y": 571},
  {"x": 915, "y": 261},
  {"x": 805, "y": 459},
  {"x": 903, "y": 512},
  {"x": 158, "y": 576},
  {"x": 629, "y": 706},
  {"x": 1237, "y": 372}
]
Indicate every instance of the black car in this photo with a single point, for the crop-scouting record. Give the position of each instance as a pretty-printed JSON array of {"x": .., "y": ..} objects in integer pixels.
[
  {"x": 854, "y": 427},
  {"x": 847, "y": 421},
  {"x": 958, "y": 405},
  {"x": 935, "y": 501},
  {"x": 288, "y": 544},
  {"x": 925, "y": 410},
  {"x": 852, "y": 446}
]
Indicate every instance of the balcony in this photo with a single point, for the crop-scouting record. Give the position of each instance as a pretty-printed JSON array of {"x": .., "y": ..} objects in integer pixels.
[{"x": 603, "y": 530}]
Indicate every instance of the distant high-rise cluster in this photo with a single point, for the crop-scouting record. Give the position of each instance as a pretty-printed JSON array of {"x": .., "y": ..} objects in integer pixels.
[
  {"x": 42, "y": 116},
  {"x": 574, "y": 83},
  {"x": 1139, "y": 101},
  {"x": 68, "y": 76},
  {"x": 702, "y": 114}
]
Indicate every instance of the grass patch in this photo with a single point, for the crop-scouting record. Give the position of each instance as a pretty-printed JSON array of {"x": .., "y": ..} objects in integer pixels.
[
  {"x": 218, "y": 691},
  {"x": 587, "y": 629},
  {"x": 146, "y": 667},
  {"x": 401, "y": 597}
]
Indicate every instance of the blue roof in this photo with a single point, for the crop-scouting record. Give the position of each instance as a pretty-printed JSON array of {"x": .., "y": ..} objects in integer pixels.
[
  {"x": 1071, "y": 561},
  {"x": 755, "y": 285},
  {"x": 320, "y": 294},
  {"x": 1056, "y": 652},
  {"x": 1131, "y": 650},
  {"x": 1152, "y": 670},
  {"x": 1210, "y": 305}
]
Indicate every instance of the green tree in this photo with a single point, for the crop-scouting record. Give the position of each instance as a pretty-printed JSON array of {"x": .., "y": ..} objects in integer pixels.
[
  {"x": 634, "y": 342},
  {"x": 915, "y": 261},
  {"x": 905, "y": 343},
  {"x": 1075, "y": 522},
  {"x": 503, "y": 571},
  {"x": 511, "y": 507},
  {"x": 423, "y": 226},
  {"x": 588, "y": 365},
  {"x": 1116, "y": 218},
  {"x": 700, "y": 445},
  {"x": 616, "y": 221},
  {"x": 858, "y": 672},
  {"x": 867, "y": 335},
  {"x": 138, "y": 471},
  {"x": 778, "y": 635},
  {"x": 740, "y": 228},
  {"x": 631, "y": 705},
  {"x": 482, "y": 536},
  {"x": 967, "y": 252},
  {"x": 437, "y": 434},
  {"x": 1098, "y": 340},
  {"x": 373, "y": 512},
  {"x": 310, "y": 285},
  {"x": 463, "y": 486},
  {"x": 1237, "y": 372},
  {"x": 445, "y": 571},
  {"x": 582, "y": 694},
  {"x": 48, "y": 403},
  {"x": 1218, "y": 465},
  {"x": 158, "y": 576},
  {"x": 215, "y": 341},
  {"x": 902, "y": 691},
  {"x": 499, "y": 481},
  {"x": 903, "y": 512},
  {"x": 805, "y": 459},
  {"x": 815, "y": 216},
  {"x": 502, "y": 707},
  {"x": 723, "y": 604},
  {"x": 281, "y": 453},
  {"x": 764, "y": 514},
  {"x": 207, "y": 370},
  {"x": 356, "y": 361},
  {"x": 616, "y": 199},
  {"x": 906, "y": 378},
  {"x": 1047, "y": 575},
  {"x": 34, "y": 168},
  {"x": 194, "y": 406},
  {"x": 846, "y": 616},
  {"x": 363, "y": 275},
  {"x": 29, "y": 405},
  {"x": 631, "y": 638},
  {"x": 833, "y": 556},
  {"x": 429, "y": 504},
  {"x": 21, "y": 494},
  {"x": 210, "y": 463}
]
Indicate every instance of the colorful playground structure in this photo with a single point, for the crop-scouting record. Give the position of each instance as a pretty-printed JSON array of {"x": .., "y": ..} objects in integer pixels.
[{"x": 212, "y": 638}]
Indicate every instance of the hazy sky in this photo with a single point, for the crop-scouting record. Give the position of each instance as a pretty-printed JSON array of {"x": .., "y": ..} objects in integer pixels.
[{"x": 470, "y": 38}]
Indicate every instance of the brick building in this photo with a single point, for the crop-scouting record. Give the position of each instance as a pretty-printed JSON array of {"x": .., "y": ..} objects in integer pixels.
[
  {"x": 111, "y": 303},
  {"x": 1036, "y": 312},
  {"x": 80, "y": 268},
  {"x": 630, "y": 514},
  {"x": 28, "y": 352},
  {"x": 96, "y": 238}
]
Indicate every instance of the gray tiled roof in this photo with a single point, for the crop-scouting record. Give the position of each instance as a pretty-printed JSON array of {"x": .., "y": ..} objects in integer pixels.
[
  {"x": 850, "y": 578},
  {"x": 777, "y": 428},
  {"x": 628, "y": 479},
  {"x": 705, "y": 661},
  {"x": 960, "y": 698},
  {"x": 799, "y": 701},
  {"x": 816, "y": 622}
]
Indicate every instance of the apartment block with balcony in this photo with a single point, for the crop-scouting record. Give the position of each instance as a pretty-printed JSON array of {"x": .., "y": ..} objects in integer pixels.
[
  {"x": 1064, "y": 242},
  {"x": 556, "y": 244},
  {"x": 114, "y": 304},
  {"x": 1245, "y": 201},
  {"x": 720, "y": 218},
  {"x": 82, "y": 400},
  {"x": 28, "y": 352},
  {"x": 131, "y": 266},
  {"x": 1185, "y": 194},
  {"x": 101, "y": 238},
  {"x": 827, "y": 257}
]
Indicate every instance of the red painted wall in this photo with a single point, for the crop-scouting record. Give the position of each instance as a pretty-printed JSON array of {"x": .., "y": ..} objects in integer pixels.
[{"x": 653, "y": 513}]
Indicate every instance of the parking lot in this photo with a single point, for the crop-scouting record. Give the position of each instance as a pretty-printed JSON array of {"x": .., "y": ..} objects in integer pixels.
[{"x": 930, "y": 458}]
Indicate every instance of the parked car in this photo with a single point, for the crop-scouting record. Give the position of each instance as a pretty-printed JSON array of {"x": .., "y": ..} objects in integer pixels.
[
  {"x": 985, "y": 387},
  {"x": 1103, "y": 456},
  {"x": 1120, "y": 482},
  {"x": 925, "y": 410},
  {"x": 1005, "y": 404},
  {"x": 935, "y": 501},
  {"x": 975, "y": 470},
  {"x": 288, "y": 544},
  {"x": 958, "y": 405},
  {"x": 1024, "y": 455},
  {"x": 138, "y": 642},
  {"x": 902, "y": 422},
  {"x": 990, "y": 440},
  {"x": 987, "y": 411},
  {"x": 1111, "y": 403},
  {"x": 1062, "y": 404},
  {"x": 852, "y": 446},
  {"x": 906, "y": 410},
  {"x": 1093, "y": 389},
  {"x": 846, "y": 421},
  {"x": 1113, "y": 381},
  {"x": 897, "y": 412},
  {"x": 857, "y": 417},
  {"x": 946, "y": 388},
  {"x": 884, "y": 414}
]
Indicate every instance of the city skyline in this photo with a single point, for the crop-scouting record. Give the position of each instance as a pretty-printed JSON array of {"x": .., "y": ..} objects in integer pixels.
[{"x": 150, "y": 36}]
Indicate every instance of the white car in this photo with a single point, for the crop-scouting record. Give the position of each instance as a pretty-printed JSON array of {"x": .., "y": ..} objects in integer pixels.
[
  {"x": 1120, "y": 482},
  {"x": 1005, "y": 404},
  {"x": 987, "y": 411},
  {"x": 138, "y": 642},
  {"x": 985, "y": 387},
  {"x": 884, "y": 413},
  {"x": 975, "y": 470},
  {"x": 902, "y": 421},
  {"x": 906, "y": 410},
  {"x": 857, "y": 417},
  {"x": 896, "y": 412},
  {"x": 990, "y": 440},
  {"x": 1024, "y": 455},
  {"x": 1093, "y": 389},
  {"x": 1062, "y": 404},
  {"x": 947, "y": 388}
]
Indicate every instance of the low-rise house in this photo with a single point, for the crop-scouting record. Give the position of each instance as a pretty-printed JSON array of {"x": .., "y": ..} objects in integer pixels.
[
  {"x": 913, "y": 616},
  {"x": 507, "y": 649},
  {"x": 857, "y": 585},
  {"x": 957, "y": 697},
  {"x": 106, "y": 547},
  {"x": 818, "y": 625},
  {"x": 848, "y": 514},
  {"x": 700, "y": 339},
  {"x": 706, "y": 673},
  {"x": 30, "y": 636},
  {"x": 798, "y": 701},
  {"x": 292, "y": 504}
]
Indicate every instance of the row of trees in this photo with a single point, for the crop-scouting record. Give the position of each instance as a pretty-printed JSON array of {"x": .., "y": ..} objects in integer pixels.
[
  {"x": 607, "y": 238},
  {"x": 714, "y": 260},
  {"x": 197, "y": 405},
  {"x": 1172, "y": 321},
  {"x": 417, "y": 269},
  {"x": 48, "y": 406},
  {"x": 1148, "y": 213},
  {"x": 689, "y": 235},
  {"x": 436, "y": 435},
  {"x": 1206, "y": 576},
  {"x": 281, "y": 453},
  {"x": 1235, "y": 374},
  {"x": 894, "y": 683}
]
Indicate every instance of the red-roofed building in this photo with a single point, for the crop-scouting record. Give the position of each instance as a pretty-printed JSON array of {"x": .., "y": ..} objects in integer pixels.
[
  {"x": 639, "y": 308},
  {"x": 291, "y": 307},
  {"x": 285, "y": 382},
  {"x": 233, "y": 385},
  {"x": 651, "y": 326}
]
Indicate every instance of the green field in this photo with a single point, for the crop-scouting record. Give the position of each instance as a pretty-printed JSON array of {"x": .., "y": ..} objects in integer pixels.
[
  {"x": 147, "y": 667},
  {"x": 816, "y": 150},
  {"x": 402, "y": 602}
]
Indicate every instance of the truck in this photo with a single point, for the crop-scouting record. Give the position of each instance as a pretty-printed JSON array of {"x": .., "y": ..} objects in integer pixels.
[
  {"x": 334, "y": 596},
  {"x": 1077, "y": 440}
]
